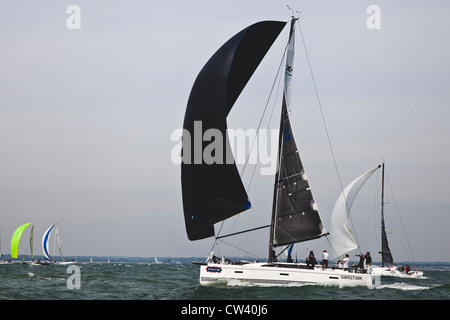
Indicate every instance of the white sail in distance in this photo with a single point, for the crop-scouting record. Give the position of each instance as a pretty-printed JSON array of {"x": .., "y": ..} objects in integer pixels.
[{"x": 341, "y": 235}]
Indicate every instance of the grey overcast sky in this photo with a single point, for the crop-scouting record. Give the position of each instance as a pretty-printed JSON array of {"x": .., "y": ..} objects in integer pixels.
[{"x": 86, "y": 118}]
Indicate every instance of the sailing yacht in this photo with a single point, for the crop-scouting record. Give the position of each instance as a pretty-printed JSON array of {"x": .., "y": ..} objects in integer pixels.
[
  {"x": 157, "y": 262},
  {"x": 32, "y": 262},
  {"x": 1, "y": 251},
  {"x": 45, "y": 246},
  {"x": 343, "y": 239},
  {"x": 386, "y": 255},
  {"x": 213, "y": 191}
]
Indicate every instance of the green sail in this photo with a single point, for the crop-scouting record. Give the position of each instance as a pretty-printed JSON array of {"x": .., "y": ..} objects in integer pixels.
[{"x": 16, "y": 238}]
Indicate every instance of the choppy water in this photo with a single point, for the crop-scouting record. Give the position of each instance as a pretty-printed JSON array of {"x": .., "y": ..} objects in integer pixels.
[{"x": 142, "y": 281}]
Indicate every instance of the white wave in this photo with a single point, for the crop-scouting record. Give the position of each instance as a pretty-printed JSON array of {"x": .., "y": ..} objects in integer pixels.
[
  {"x": 404, "y": 286},
  {"x": 238, "y": 283}
]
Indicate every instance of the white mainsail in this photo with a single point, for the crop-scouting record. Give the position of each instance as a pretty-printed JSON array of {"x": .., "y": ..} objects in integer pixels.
[
  {"x": 31, "y": 242},
  {"x": 341, "y": 235},
  {"x": 59, "y": 243},
  {"x": 289, "y": 69}
]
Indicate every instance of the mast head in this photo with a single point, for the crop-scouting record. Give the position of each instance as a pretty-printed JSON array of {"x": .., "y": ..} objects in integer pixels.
[{"x": 293, "y": 14}]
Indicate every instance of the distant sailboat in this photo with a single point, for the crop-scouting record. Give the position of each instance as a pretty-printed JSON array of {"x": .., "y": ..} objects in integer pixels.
[
  {"x": 31, "y": 247},
  {"x": 32, "y": 262},
  {"x": 386, "y": 255},
  {"x": 215, "y": 192},
  {"x": 1, "y": 250},
  {"x": 342, "y": 237},
  {"x": 32, "y": 242},
  {"x": 156, "y": 261},
  {"x": 15, "y": 240},
  {"x": 45, "y": 246}
]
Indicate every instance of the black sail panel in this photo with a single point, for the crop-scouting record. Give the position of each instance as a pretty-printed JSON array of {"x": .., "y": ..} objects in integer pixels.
[
  {"x": 386, "y": 256},
  {"x": 296, "y": 216},
  {"x": 213, "y": 190},
  {"x": 385, "y": 251}
]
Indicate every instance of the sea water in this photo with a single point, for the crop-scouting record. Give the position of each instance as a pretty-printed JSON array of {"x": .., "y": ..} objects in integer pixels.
[{"x": 172, "y": 281}]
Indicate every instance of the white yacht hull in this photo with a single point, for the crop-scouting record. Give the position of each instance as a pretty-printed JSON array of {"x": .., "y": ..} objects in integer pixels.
[
  {"x": 281, "y": 274},
  {"x": 394, "y": 272}
]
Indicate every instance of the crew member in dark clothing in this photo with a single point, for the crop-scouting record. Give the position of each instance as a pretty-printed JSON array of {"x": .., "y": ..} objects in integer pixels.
[
  {"x": 361, "y": 261},
  {"x": 368, "y": 259},
  {"x": 407, "y": 269},
  {"x": 311, "y": 260}
]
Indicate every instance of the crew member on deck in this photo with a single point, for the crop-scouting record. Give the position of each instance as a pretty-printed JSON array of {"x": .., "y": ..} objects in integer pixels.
[
  {"x": 368, "y": 259},
  {"x": 311, "y": 260},
  {"x": 324, "y": 259},
  {"x": 361, "y": 261},
  {"x": 343, "y": 264}
]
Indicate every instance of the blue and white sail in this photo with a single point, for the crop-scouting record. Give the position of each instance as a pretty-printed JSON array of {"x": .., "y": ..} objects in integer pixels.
[{"x": 45, "y": 239}]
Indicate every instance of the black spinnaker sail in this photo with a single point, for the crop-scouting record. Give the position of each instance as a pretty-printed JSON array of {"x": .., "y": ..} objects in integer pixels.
[{"x": 213, "y": 191}]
